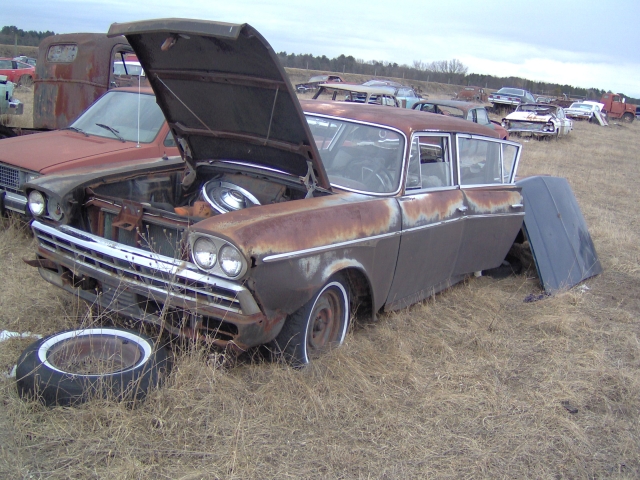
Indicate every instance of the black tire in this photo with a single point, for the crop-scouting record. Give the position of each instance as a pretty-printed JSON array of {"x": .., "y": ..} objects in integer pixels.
[
  {"x": 628, "y": 117},
  {"x": 62, "y": 369},
  {"x": 320, "y": 324},
  {"x": 25, "y": 81}
]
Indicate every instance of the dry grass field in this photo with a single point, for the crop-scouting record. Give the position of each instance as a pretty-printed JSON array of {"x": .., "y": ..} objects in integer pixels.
[{"x": 474, "y": 383}]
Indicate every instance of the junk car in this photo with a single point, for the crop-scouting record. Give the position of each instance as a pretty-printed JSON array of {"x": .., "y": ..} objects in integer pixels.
[
  {"x": 584, "y": 110},
  {"x": 472, "y": 94},
  {"x": 469, "y": 111},
  {"x": 509, "y": 98},
  {"x": 375, "y": 95},
  {"x": 538, "y": 120},
  {"x": 283, "y": 217},
  {"x": 124, "y": 124},
  {"x": 17, "y": 72}
]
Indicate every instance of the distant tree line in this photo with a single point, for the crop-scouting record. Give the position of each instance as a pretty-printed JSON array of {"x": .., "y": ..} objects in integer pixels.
[
  {"x": 31, "y": 38},
  {"x": 441, "y": 71}
]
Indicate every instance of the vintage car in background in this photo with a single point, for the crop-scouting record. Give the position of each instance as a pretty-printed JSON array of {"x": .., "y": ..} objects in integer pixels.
[
  {"x": 469, "y": 111},
  {"x": 380, "y": 95},
  {"x": 538, "y": 120},
  {"x": 283, "y": 217},
  {"x": 122, "y": 125},
  {"x": 315, "y": 81},
  {"x": 584, "y": 110},
  {"x": 509, "y": 98},
  {"x": 406, "y": 95},
  {"x": 17, "y": 72},
  {"x": 541, "y": 99},
  {"x": 472, "y": 94}
]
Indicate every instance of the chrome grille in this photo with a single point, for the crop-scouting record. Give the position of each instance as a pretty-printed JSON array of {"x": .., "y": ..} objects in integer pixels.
[
  {"x": 9, "y": 178},
  {"x": 159, "y": 276}
]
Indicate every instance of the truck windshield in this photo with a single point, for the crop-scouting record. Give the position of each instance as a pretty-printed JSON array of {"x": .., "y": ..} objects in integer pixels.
[{"x": 119, "y": 111}]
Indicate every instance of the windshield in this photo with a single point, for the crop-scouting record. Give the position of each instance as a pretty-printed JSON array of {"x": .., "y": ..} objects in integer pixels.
[
  {"x": 363, "y": 158},
  {"x": 119, "y": 110}
]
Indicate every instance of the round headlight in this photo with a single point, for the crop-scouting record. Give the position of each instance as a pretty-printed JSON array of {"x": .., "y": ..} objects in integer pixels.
[
  {"x": 37, "y": 203},
  {"x": 204, "y": 253},
  {"x": 230, "y": 261}
]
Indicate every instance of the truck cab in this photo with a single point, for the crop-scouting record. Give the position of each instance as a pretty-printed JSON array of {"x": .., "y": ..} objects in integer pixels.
[{"x": 615, "y": 106}]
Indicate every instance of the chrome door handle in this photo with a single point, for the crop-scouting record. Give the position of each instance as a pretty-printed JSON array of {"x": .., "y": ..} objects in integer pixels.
[
  {"x": 517, "y": 205},
  {"x": 462, "y": 209}
]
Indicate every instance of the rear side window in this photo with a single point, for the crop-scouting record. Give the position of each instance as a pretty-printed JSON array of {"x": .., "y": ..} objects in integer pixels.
[
  {"x": 486, "y": 162},
  {"x": 62, "y": 53}
]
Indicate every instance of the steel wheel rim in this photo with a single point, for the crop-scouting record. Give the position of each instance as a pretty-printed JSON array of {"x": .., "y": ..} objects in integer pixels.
[{"x": 328, "y": 319}]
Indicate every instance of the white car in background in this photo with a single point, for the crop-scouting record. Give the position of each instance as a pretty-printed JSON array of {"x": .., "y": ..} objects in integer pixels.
[
  {"x": 538, "y": 120},
  {"x": 584, "y": 110}
]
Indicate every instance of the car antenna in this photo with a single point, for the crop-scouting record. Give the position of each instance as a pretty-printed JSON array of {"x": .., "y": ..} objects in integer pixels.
[{"x": 138, "y": 145}]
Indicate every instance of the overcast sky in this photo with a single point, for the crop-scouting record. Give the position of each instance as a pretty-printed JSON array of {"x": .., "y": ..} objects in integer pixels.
[{"x": 584, "y": 43}]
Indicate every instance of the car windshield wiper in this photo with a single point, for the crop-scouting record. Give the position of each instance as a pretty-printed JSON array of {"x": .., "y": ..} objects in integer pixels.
[
  {"x": 112, "y": 130},
  {"x": 76, "y": 129}
]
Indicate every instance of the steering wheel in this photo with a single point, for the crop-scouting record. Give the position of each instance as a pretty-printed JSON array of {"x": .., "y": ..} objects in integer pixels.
[{"x": 375, "y": 176}]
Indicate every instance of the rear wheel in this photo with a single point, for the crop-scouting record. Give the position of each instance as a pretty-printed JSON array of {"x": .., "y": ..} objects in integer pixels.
[{"x": 316, "y": 327}]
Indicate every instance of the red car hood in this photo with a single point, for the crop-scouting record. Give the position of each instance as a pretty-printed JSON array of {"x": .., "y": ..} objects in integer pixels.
[{"x": 44, "y": 152}]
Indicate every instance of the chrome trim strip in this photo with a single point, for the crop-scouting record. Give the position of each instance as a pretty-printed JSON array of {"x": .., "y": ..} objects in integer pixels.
[
  {"x": 70, "y": 241},
  {"x": 300, "y": 253}
]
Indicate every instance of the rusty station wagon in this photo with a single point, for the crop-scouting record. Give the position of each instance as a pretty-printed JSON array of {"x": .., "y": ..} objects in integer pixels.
[{"x": 285, "y": 216}]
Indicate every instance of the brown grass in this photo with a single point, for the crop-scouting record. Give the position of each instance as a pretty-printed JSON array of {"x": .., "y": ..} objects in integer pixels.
[{"x": 471, "y": 384}]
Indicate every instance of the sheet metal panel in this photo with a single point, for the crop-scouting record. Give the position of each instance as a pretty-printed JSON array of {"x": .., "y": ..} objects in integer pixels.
[{"x": 558, "y": 235}]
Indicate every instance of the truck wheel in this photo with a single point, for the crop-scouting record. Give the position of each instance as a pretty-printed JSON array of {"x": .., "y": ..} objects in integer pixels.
[
  {"x": 317, "y": 326},
  {"x": 25, "y": 81},
  {"x": 71, "y": 367},
  {"x": 628, "y": 117}
]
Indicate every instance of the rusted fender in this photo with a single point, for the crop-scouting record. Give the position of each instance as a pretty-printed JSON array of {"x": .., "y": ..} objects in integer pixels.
[
  {"x": 295, "y": 247},
  {"x": 287, "y": 227}
]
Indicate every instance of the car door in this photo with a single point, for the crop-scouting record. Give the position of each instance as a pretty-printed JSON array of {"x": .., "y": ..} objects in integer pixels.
[
  {"x": 432, "y": 212},
  {"x": 493, "y": 206}
]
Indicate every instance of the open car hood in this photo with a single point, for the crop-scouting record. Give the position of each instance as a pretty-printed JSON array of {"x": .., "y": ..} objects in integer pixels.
[{"x": 224, "y": 94}]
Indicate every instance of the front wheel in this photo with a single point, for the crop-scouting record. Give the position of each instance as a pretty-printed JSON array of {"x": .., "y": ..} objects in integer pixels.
[
  {"x": 71, "y": 367},
  {"x": 628, "y": 117},
  {"x": 317, "y": 326}
]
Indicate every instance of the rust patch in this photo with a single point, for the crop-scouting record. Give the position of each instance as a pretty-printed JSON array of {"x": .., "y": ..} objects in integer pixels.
[
  {"x": 492, "y": 201},
  {"x": 303, "y": 224},
  {"x": 431, "y": 207}
]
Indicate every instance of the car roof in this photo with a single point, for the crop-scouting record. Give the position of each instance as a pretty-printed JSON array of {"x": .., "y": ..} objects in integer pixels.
[
  {"x": 404, "y": 119},
  {"x": 465, "y": 106},
  {"x": 370, "y": 89}
]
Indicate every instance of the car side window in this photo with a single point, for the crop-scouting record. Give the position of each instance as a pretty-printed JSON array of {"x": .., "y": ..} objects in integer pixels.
[
  {"x": 429, "y": 162},
  {"x": 479, "y": 161},
  {"x": 169, "y": 140},
  {"x": 509, "y": 157},
  {"x": 481, "y": 116},
  {"x": 485, "y": 161},
  {"x": 5, "y": 64}
]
